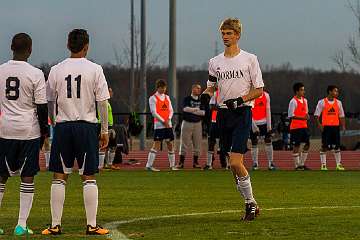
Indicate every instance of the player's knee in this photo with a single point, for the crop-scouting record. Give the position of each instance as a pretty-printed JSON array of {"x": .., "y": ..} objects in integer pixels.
[
  {"x": 267, "y": 139},
  {"x": 60, "y": 176},
  {"x": 27, "y": 179},
  {"x": 306, "y": 146},
  {"x": 87, "y": 177}
]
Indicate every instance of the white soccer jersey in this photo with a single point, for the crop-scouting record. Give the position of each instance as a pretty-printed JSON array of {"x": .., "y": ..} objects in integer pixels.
[
  {"x": 320, "y": 107},
  {"x": 152, "y": 104},
  {"x": 235, "y": 76},
  {"x": 76, "y": 84},
  {"x": 293, "y": 105},
  {"x": 21, "y": 87}
]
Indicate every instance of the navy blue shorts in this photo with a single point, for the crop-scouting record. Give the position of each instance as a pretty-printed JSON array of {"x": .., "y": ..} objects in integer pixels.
[
  {"x": 330, "y": 137},
  {"x": 262, "y": 132},
  {"x": 299, "y": 135},
  {"x": 164, "y": 134},
  {"x": 19, "y": 157},
  {"x": 234, "y": 129},
  {"x": 75, "y": 140}
]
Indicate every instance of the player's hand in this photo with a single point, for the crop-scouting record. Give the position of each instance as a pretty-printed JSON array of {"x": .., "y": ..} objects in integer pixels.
[
  {"x": 307, "y": 117},
  {"x": 232, "y": 104},
  {"x": 166, "y": 124},
  {"x": 104, "y": 141}
]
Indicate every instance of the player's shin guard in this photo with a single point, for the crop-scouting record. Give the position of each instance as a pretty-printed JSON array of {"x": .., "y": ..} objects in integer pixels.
[
  {"x": 57, "y": 201},
  {"x": 255, "y": 154},
  {"x": 337, "y": 156},
  {"x": 323, "y": 158},
  {"x": 243, "y": 185},
  {"x": 2, "y": 191},
  {"x": 151, "y": 158},
  {"x": 303, "y": 157},
  {"x": 296, "y": 157},
  {"x": 101, "y": 160},
  {"x": 26, "y": 200},
  {"x": 171, "y": 156},
  {"x": 90, "y": 192},
  {"x": 210, "y": 156},
  {"x": 47, "y": 159},
  {"x": 269, "y": 152}
]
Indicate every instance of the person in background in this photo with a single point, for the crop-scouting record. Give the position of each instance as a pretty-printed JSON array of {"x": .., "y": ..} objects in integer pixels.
[{"x": 191, "y": 127}]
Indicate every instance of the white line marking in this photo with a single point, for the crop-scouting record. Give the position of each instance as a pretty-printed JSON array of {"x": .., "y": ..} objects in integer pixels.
[{"x": 117, "y": 235}]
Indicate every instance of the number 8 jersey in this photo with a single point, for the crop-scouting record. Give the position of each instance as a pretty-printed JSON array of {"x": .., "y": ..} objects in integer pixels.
[
  {"x": 76, "y": 84},
  {"x": 21, "y": 87}
]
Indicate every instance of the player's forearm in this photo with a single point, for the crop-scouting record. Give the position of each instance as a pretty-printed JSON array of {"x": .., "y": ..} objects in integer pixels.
[
  {"x": 42, "y": 112},
  {"x": 52, "y": 113},
  {"x": 102, "y": 108},
  {"x": 199, "y": 112},
  {"x": 253, "y": 94},
  {"x": 342, "y": 122},
  {"x": 317, "y": 118}
]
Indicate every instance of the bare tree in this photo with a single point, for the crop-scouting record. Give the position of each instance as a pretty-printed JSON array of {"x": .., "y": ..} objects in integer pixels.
[
  {"x": 352, "y": 45},
  {"x": 155, "y": 56}
]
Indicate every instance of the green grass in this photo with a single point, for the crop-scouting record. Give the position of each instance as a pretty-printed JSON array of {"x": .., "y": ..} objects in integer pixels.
[{"x": 135, "y": 194}]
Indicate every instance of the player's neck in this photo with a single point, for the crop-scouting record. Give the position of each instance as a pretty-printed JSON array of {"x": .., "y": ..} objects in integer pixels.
[
  {"x": 232, "y": 51},
  {"x": 17, "y": 57},
  {"x": 330, "y": 98},
  {"x": 77, "y": 55},
  {"x": 298, "y": 96}
]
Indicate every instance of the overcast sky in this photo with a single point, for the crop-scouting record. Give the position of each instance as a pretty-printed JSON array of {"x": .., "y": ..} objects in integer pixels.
[{"x": 305, "y": 33}]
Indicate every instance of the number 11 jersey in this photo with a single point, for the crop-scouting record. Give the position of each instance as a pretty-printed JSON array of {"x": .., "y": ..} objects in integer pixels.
[
  {"x": 76, "y": 84},
  {"x": 22, "y": 86}
]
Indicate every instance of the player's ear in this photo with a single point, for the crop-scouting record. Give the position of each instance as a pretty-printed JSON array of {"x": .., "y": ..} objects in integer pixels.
[{"x": 86, "y": 48}]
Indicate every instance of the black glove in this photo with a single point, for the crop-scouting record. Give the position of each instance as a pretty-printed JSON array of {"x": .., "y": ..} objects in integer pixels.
[
  {"x": 232, "y": 104},
  {"x": 205, "y": 99}
]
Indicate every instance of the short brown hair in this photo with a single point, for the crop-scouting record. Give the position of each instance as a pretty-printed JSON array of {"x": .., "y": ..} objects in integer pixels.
[
  {"x": 232, "y": 24},
  {"x": 160, "y": 83},
  {"x": 21, "y": 43},
  {"x": 77, "y": 39}
]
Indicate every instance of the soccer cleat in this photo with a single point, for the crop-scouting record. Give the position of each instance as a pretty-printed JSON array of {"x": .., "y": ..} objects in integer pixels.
[
  {"x": 305, "y": 168},
  {"x": 98, "y": 230},
  {"x": 196, "y": 165},
  {"x": 115, "y": 167},
  {"x": 251, "y": 211},
  {"x": 174, "y": 169},
  {"x": 180, "y": 165},
  {"x": 152, "y": 169},
  {"x": 340, "y": 167},
  {"x": 207, "y": 167},
  {"x": 255, "y": 167},
  {"x": 21, "y": 231},
  {"x": 323, "y": 167},
  {"x": 52, "y": 230},
  {"x": 272, "y": 167},
  {"x": 1, "y": 231},
  {"x": 299, "y": 168}
]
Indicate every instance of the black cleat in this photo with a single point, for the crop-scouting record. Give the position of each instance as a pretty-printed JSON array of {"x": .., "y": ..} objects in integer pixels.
[{"x": 251, "y": 211}]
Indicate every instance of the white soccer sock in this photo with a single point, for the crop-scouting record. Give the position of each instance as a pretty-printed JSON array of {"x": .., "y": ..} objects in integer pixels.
[
  {"x": 151, "y": 158},
  {"x": 57, "y": 201},
  {"x": 244, "y": 187},
  {"x": 101, "y": 159},
  {"x": 303, "y": 158},
  {"x": 323, "y": 158},
  {"x": 269, "y": 152},
  {"x": 209, "y": 158},
  {"x": 2, "y": 191},
  {"x": 111, "y": 157},
  {"x": 171, "y": 156},
  {"x": 255, "y": 154},
  {"x": 26, "y": 200},
  {"x": 47, "y": 159},
  {"x": 90, "y": 192},
  {"x": 296, "y": 157},
  {"x": 337, "y": 156}
]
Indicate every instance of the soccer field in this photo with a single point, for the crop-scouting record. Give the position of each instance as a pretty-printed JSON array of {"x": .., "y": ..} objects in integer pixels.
[{"x": 200, "y": 205}]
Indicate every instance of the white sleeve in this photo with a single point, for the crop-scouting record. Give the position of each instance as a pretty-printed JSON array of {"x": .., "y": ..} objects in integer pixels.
[
  {"x": 212, "y": 76},
  {"x": 319, "y": 108},
  {"x": 341, "y": 110},
  {"x": 152, "y": 105},
  {"x": 40, "y": 89},
  {"x": 292, "y": 107},
  {"x": 51, "y": 86},
  {"x": 101, "y": 87},
  {"x": 255, "y": 74},
  {"x": 268, "y": 111}
]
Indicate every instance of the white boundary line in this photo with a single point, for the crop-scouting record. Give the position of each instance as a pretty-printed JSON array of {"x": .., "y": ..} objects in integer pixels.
[{"x": 117, "y": 235}]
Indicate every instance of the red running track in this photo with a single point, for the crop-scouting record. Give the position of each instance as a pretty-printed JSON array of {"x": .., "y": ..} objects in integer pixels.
[{"x": 282, "y": 159}]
